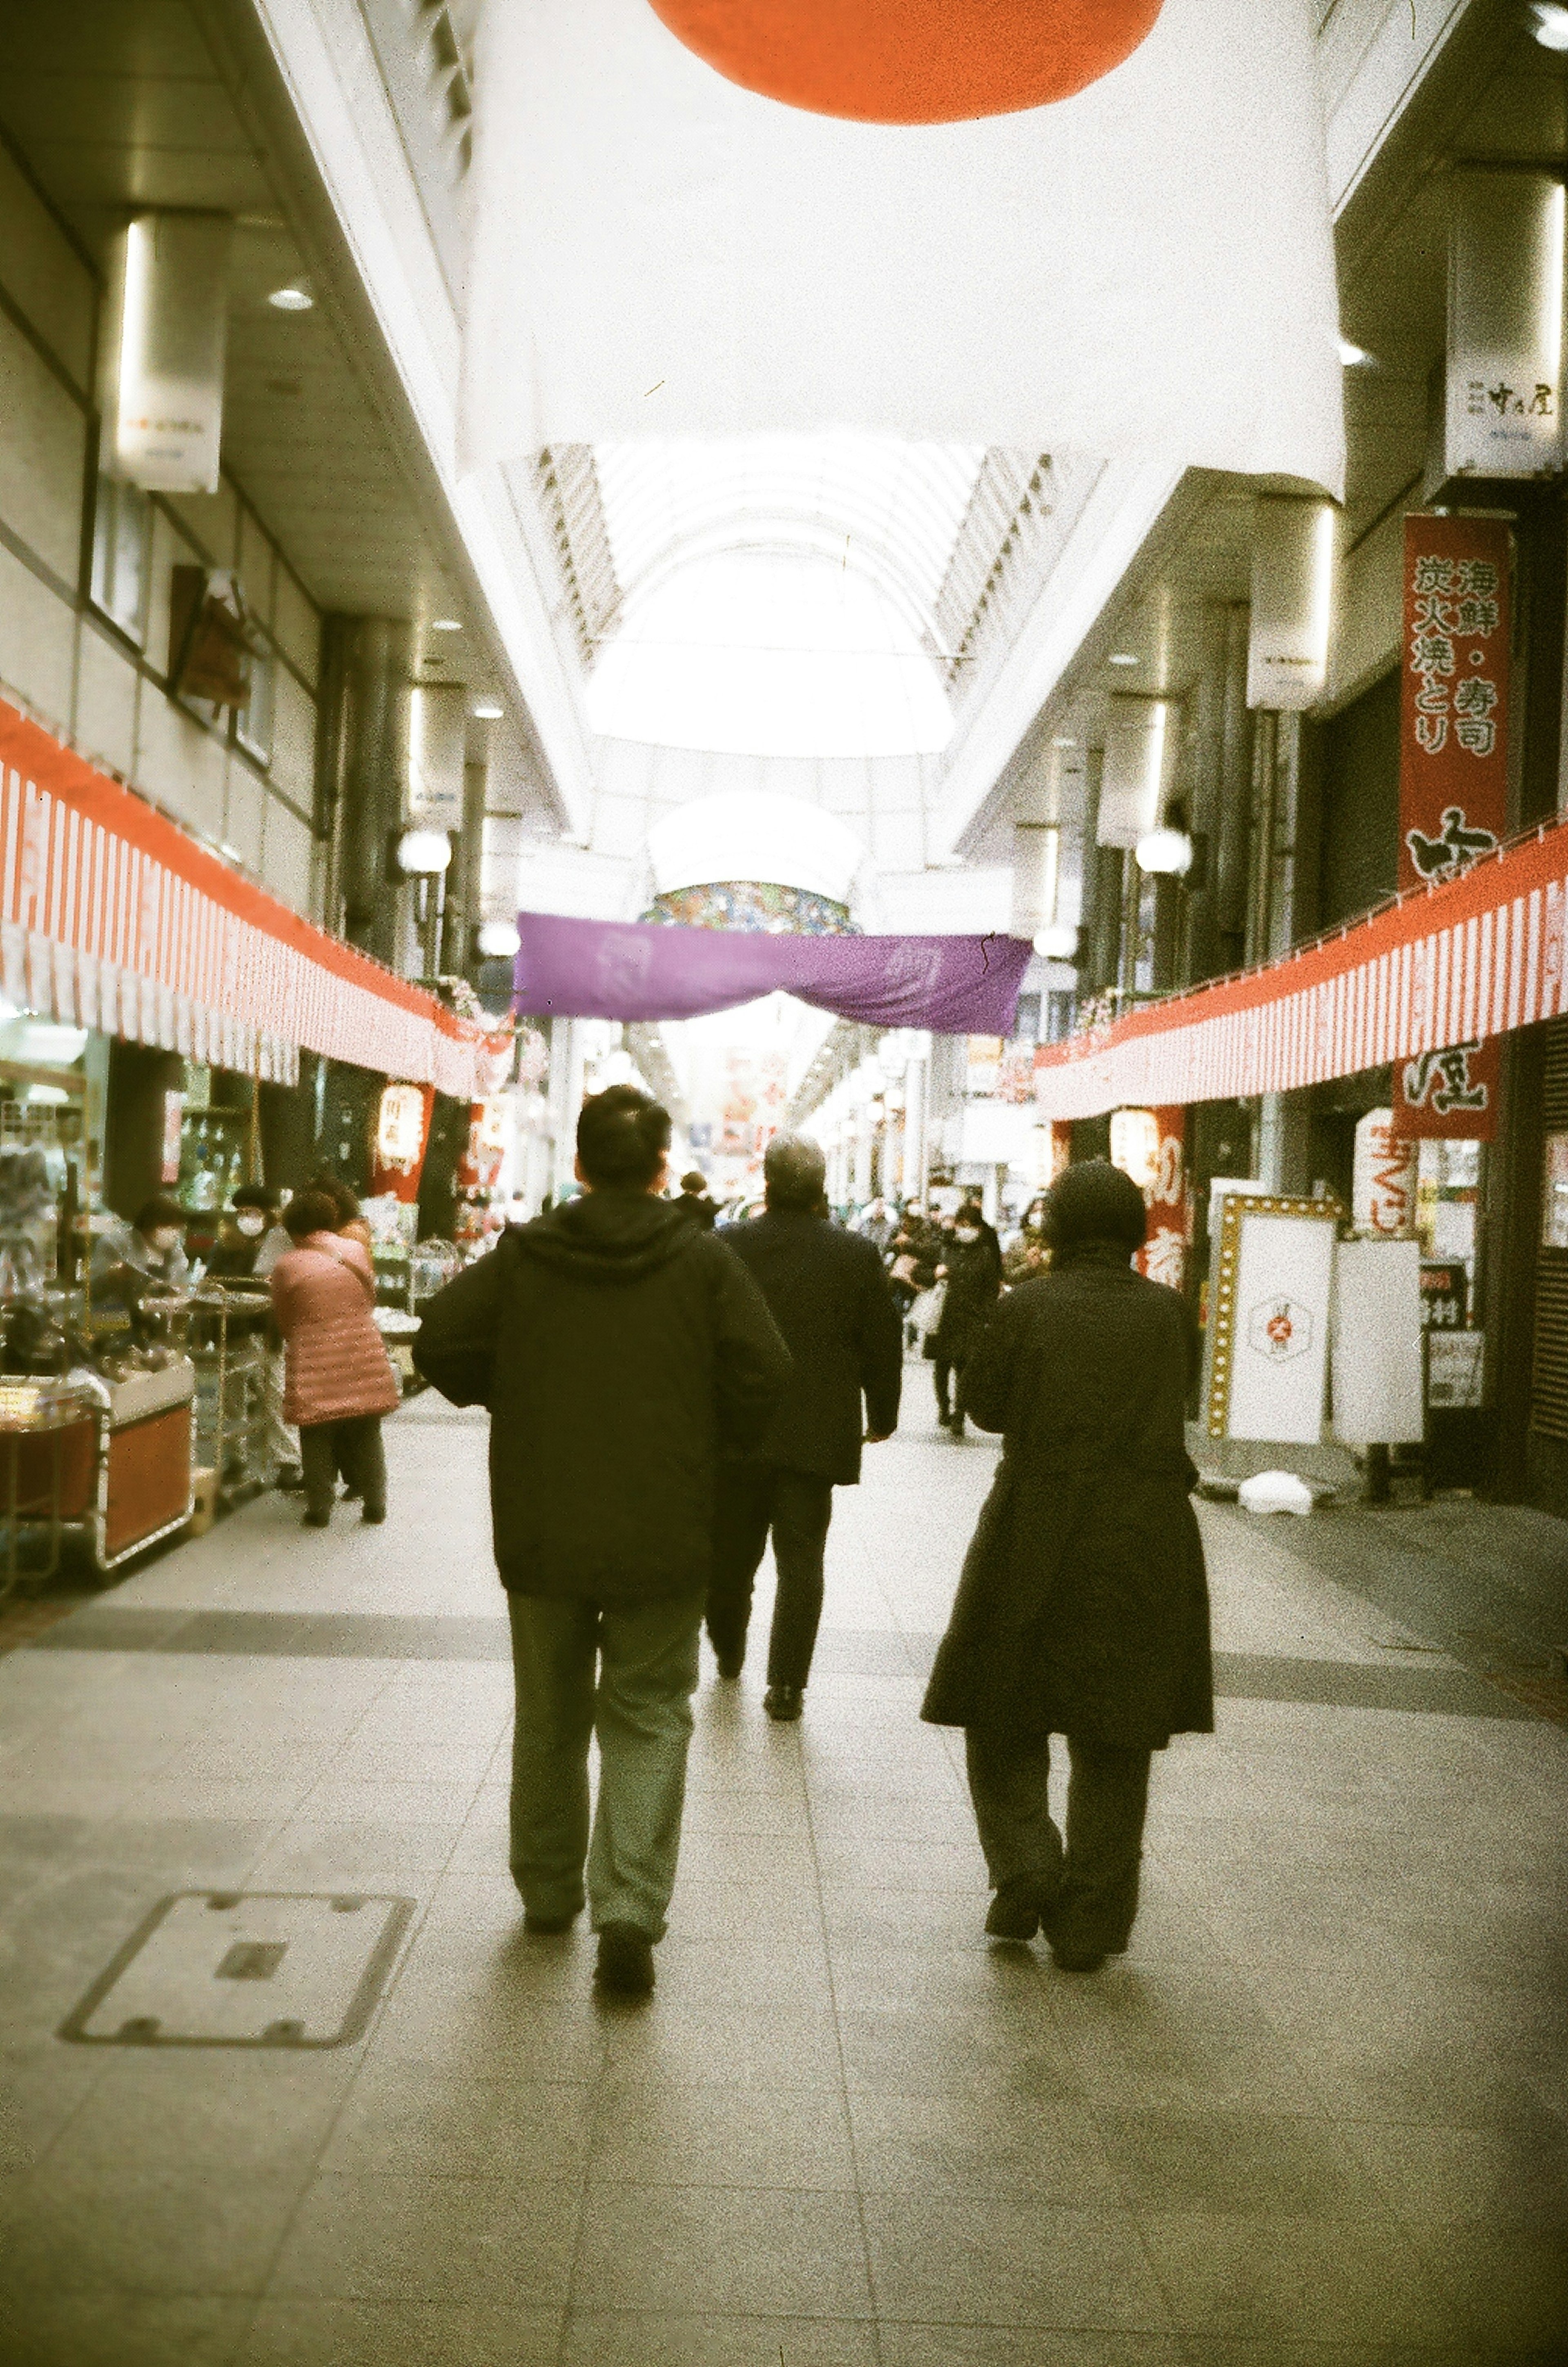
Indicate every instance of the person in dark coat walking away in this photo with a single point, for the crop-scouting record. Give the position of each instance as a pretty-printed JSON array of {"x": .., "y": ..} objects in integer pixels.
[
  {"x": 620, "y": 1349},
  {"x": 1083, "y": 1609},
  {"x": 694, "y": 1200},
  {"x": 972, "y": 1269},
  {"x": 828, "y": 1295}
]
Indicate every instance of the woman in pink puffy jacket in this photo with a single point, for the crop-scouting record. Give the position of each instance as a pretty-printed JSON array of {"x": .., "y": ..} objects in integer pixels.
[{"x": 339, "y": 1379}]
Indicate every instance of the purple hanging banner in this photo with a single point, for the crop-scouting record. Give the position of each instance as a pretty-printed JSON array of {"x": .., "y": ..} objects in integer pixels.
[{"x": 642, "y": 969}]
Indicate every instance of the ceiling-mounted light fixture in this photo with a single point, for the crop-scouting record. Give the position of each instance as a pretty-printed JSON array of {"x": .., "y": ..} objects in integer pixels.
[
  {"x": 424, "y": 853},
  {"x": 498, "y": 940},
  {"x": 1124, "y": 658},
  {"x": 487, "y": 711},
  {"x": 1059, "y": 942},
  {"x": 292, "y": 299},
  {"x": 1353, "y": 357},
  {"x": 1166, "y": 851},
  {"x": 1549, "y": 24},
  {"x": 446, "y": 624}
]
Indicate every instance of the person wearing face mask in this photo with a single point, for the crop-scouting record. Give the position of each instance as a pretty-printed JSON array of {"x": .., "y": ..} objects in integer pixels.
[
  {"x": 252, "y": 1212},
  {"x": 973, "y": 1272}
]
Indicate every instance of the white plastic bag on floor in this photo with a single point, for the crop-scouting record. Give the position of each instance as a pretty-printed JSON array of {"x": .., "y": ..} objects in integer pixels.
[{"x": 1274, "y": 1492}]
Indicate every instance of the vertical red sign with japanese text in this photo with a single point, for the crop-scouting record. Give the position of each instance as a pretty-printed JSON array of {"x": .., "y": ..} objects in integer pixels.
[
  {"x": 1164, "y": 1254},
  {"x": 1453, "y": 772}
]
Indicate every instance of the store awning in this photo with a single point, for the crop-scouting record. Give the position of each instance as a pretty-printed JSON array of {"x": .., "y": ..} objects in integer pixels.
[
  {"x": 1444, "y": 966},
  {"x": 112, "y": 917}
]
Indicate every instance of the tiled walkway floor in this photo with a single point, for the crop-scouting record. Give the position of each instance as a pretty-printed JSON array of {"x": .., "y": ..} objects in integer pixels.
[{"x": 1315, "y": 2116}]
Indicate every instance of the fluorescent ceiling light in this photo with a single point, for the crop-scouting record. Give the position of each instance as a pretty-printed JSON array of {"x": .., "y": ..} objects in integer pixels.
[
  {"x": 1124, "y": 657},
  {"x": 446, "y": 624},
  {"x": 487, "y": 711},
  {"x": 1549, "y": 24},
  {"x": 292, "y": 299}
]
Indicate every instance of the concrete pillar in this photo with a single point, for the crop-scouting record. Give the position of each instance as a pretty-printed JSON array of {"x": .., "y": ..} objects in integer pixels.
[
  {"x": 566, "y": 1098},
  {"x": 1284, "y": 1142},
  {"x": 865, "y": 1154},
  {"x": 367, "y": 731}
]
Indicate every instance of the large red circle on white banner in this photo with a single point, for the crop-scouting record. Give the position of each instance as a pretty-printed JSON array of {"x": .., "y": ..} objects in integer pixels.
[{"x": 911, "y": 60}]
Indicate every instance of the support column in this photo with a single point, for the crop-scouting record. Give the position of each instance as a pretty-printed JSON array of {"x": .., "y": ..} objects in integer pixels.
[
  {"x": 912, "y": 1183},
  {"x": 865, "y": 1143},
  {"x": 368, "y": 740}
]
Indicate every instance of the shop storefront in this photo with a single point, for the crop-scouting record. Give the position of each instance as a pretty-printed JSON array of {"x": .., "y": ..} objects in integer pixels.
[{"x": 155, "y": 1010}]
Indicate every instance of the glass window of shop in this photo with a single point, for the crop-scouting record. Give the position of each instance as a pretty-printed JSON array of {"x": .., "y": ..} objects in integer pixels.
[
  {"x": 211, "y": 1143},
  {"x": 44, "y": 1179}
]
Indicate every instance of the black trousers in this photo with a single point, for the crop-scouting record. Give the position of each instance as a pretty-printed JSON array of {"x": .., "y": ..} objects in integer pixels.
[
  {"x": 796, "y": 1506},
  {"x": 949, "y": 1378},
  {"x": 353, "y": 1447},
  {"x": 1088, "y": 1883}
]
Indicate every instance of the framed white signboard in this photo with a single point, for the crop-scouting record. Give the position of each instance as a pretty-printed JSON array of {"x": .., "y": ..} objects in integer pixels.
[
  {"x": 1376, "y": 1344},
  {"x": 1270, "y": 1312}
]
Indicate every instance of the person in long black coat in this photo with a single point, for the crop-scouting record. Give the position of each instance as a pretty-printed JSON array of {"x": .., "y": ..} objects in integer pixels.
[
  {"x": 972, "y": 1269},
  {"x": 828, "y": 1293},
  {"x": 1083, "y": 1608}
]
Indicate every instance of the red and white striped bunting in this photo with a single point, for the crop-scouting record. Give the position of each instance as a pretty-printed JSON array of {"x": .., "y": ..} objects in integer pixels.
[
  {"x": 111, "y": 917},
  {"x": 1455, "y": 964}
]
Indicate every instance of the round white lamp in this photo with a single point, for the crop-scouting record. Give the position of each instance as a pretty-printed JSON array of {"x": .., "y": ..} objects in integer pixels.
[
  {"x": 498, "y": 940},
  {"x": 424, "y": 853},
  {"x": 1168, "y": 851},
  {"x": 1058, "y": 941}
]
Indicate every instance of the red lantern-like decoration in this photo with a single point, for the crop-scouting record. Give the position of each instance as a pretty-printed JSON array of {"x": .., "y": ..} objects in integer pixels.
[{"x": 911, "y": 60}]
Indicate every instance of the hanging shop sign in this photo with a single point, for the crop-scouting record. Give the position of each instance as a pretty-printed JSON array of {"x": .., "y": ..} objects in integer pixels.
[
  {"x": 111, "y": 917},
  {"x": 1503, "y": 414},
  {"x": 1453, "y": 772},
  {"x": 1269, "y": 1319},
  {"x": 163, "y": 351},
  {"x": 1164, "y": 1254},
  {"x": 1383, "y": 1178},
  {"x": 400, "y": 1128}
]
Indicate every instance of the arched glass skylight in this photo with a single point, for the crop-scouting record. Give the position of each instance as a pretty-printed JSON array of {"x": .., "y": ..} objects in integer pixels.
[
  {"x": 770, "y": 652},
  {"x": 779, "y": 592}
]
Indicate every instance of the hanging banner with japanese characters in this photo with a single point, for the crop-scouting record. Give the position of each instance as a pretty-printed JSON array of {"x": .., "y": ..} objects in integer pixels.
[
  {"x": 1164, "y": 1254},
  {"x": 1453, "y": 771}
]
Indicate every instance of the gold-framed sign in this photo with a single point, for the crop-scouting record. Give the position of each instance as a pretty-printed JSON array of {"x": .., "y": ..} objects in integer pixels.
[{"x": 1270, "y": 1305}]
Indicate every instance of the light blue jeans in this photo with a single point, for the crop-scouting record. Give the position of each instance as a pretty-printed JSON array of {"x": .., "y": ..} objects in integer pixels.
[{"x": 626, "y": 1678}]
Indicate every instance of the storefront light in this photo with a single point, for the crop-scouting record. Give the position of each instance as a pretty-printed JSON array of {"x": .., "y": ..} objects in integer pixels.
[
  {"x": 498, "y": 940},
  {"x": 1134, "y": 1146},
  {"x": 1057, "y": 943},
  {"x": 424, "y": 853},
  {"x": 1165, "y": 851}
]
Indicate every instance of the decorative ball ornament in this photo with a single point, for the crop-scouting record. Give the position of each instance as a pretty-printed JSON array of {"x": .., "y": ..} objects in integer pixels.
[{"x": 911, "y": 60}]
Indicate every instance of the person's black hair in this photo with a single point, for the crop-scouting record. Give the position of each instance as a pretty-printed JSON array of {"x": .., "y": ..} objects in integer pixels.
[
  {"x": 794, "y": 1170},
  {"x": 311, "y": 1211},
  {"x": 696, "y": 1183},
  {"x": 255, "y": 1196},
  {"x": 342, "y": 1195},
  {"x": 159, "y": 1210},
  {"x": 622, "y": 1139},
  {"x": 1095, "y": 1202}
]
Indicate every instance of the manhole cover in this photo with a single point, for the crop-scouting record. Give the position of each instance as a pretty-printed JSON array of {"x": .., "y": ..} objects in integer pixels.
[{"x": 244, "y": 1968}]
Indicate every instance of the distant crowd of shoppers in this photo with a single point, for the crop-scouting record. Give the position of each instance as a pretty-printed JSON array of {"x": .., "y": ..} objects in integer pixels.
[{"x": 665, "y": 1395}]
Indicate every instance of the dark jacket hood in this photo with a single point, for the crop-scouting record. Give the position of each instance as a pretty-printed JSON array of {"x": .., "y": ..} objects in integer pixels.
[{"x": 609, "y": 1236}]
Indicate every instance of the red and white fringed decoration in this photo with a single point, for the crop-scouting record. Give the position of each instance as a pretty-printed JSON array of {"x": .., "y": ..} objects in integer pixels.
[
  {"x": 1445, "y": 968},
  {"x": 111, "y": 917}
]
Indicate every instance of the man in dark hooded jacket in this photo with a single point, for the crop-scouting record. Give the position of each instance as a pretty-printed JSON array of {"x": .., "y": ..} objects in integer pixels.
[{"x": 621, "y": 1350}]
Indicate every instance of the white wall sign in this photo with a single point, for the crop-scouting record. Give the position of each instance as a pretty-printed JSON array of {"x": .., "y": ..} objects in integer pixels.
[
  {"x": 1291, "y": 610},
  {"x": 1504, "y": 410},
  {"x": 164, "y": 352},
  {"x": 1269, "y": 1320},
  {"x": 438, "y": 728},
  {"x": 1377, "y": 1344}
]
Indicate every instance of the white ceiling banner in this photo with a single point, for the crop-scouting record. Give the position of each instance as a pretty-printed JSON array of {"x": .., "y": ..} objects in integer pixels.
[{"x": 1144, "y": 270}]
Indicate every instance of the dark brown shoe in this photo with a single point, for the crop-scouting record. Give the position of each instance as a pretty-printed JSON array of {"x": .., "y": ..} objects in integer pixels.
[
  {"x": 626, "y": 1961},
  {"x": 783, "y": 1703},
  {"x": 1015, "y": 1910}
]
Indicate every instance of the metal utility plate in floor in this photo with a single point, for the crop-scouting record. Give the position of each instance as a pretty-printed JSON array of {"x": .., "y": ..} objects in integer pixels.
[{"x": 245, "y": 1968}]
